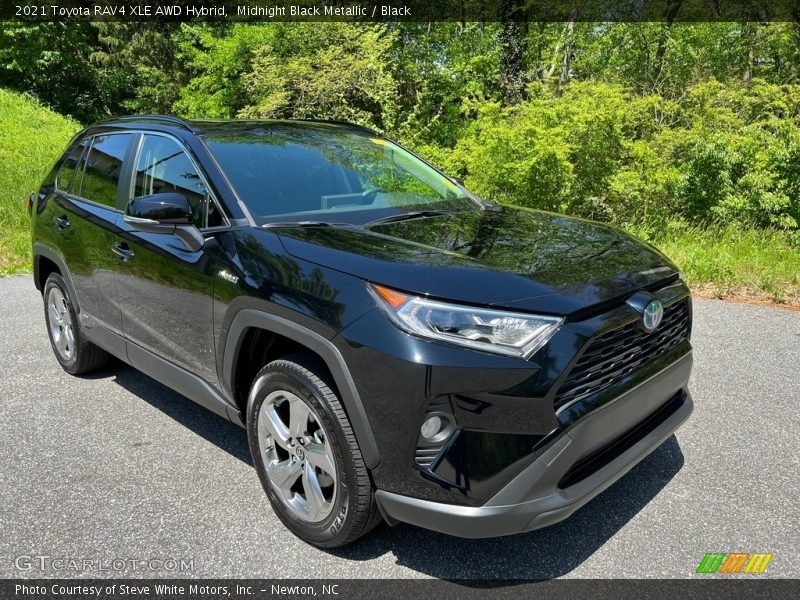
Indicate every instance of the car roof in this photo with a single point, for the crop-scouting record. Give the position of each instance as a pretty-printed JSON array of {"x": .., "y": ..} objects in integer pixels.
[{"x": 211, "y": 126}]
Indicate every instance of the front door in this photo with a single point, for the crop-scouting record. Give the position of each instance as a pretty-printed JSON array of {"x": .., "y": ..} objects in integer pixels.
[{"x": 165, "y": 290}]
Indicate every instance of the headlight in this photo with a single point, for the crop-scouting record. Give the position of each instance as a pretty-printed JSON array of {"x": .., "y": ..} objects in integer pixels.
[{"x": 498, "y": 331}]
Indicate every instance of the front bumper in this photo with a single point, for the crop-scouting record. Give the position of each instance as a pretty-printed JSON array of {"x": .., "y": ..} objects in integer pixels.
[{"x": 578, "y": 466}]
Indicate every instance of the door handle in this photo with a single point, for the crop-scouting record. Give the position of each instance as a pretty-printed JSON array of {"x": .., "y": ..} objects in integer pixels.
[
  {"x": 61, "y": 222},
  {"x": 121, "y": 249}
]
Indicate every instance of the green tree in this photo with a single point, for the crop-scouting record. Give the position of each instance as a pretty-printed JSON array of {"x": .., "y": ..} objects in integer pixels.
[
  {"x": 140, "y": 62},
  {"x": 51, "y": 62}
]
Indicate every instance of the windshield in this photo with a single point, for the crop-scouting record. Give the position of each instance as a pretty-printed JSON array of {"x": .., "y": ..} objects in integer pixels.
[{"x": 297, "y": 171}]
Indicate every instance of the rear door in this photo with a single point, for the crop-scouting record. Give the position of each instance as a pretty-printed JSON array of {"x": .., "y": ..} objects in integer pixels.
[
  {"x": 166, "y": 290},
  {"x": 84, "y": 217}
]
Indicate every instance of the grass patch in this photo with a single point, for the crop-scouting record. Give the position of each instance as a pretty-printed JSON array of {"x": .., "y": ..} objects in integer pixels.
[
  {"x": 32, "y": 137},
  {"x": 726, "y": 262}
]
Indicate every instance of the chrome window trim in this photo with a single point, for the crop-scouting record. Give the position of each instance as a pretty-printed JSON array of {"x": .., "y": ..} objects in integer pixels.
[
  {"x": 76, "y": 198},
  {"x": 245, "y": 210}
]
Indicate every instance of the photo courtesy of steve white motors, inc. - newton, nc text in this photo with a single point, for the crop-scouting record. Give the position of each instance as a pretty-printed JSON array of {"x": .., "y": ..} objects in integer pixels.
[{"x": 351, "y": 299}]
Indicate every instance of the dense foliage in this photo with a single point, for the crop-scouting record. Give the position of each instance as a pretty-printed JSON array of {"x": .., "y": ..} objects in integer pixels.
[
  {"x": 31, "y": 136},
  {"x": 627, "y": 122}
]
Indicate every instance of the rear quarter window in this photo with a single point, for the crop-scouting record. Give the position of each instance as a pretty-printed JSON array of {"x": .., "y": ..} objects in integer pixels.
[
  {"x": 66, "y": 173},
  {"x": 103, "y": 167}
]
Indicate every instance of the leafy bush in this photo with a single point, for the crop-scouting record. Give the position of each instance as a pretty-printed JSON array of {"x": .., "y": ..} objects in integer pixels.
[
  {"x": 726, "y": 155},
  {"x": 31, "y": 138}
]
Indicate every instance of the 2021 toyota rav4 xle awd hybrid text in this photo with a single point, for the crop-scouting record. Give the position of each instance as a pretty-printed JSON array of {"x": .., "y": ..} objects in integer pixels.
[{"x": 395, "y": 347}]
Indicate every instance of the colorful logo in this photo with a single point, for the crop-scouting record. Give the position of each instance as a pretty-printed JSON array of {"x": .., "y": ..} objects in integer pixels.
[{"x": 735, "y": 562}]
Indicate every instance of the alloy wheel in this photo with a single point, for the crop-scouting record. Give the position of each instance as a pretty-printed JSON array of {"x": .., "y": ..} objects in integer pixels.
[
  {"x": 297, "y": 455},
  {"x": 61, "y": 329}
]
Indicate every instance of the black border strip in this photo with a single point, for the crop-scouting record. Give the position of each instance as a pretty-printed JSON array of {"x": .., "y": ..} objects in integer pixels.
[
  {"x": 403, "y": 10},
  {"x": 711, "y": 587}
]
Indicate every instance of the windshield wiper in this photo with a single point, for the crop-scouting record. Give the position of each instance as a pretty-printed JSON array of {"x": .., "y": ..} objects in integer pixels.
[
  {"x": 287, "y": 224},
  {"x": 415, "y": 214}
]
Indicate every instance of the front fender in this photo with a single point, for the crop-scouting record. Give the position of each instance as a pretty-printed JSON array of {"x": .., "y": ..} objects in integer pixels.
[{"x": 324, "y": 348}]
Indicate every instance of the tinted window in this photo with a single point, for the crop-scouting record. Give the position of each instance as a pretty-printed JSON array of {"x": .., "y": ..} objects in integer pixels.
[
  {"x": 163, "y": 166},
  {"x": 69, "y": 166},
  {"x": 292, "y": 169},
  {"x": 103, "y": 167}
]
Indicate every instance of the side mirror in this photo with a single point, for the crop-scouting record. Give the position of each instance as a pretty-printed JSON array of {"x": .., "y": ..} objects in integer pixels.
[
  {"x": 168, "y": 208},
  {"x": 168, "y": 213}
]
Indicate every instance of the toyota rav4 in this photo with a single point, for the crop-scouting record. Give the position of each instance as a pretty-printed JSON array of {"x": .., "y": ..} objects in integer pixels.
[{"x": 395, "y": 347}]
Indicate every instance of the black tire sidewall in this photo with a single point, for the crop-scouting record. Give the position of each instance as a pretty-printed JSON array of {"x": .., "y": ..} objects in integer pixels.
[
  {"x": 277, "y": 376},
  {"x": 55, "y": 280}
]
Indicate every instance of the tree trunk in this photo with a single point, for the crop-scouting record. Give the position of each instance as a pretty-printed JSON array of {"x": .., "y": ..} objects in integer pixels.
[
  {"x": 747, "y": 34},
  {"x": 671, "y": 12},
  {"x": 796, "y": 54},
  {"x": 513, "y": 39},
  {"x": 569, "y": 49}
]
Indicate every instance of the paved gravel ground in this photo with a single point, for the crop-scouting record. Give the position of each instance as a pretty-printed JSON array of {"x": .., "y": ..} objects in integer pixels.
[{"x": 118, "y": 466}]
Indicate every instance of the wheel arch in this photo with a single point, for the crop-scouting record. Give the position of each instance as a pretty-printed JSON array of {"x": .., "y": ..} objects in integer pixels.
[
  {"x": 46, "y": 261},
  {"x": 307, "y": 340}
]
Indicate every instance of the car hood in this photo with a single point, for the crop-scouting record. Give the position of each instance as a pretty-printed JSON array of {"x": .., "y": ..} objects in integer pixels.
[{"x": 515, "y": 258}]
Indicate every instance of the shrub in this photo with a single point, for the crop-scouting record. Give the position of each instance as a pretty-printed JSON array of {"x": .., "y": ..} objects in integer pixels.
[{"x": 31, "y": 138}]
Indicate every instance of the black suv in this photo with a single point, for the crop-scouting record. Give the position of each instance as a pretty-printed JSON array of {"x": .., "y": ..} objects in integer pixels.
[{"x": 394, "y": 346}]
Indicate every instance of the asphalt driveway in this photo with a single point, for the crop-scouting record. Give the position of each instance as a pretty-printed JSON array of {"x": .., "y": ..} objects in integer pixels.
[{"x": 118, "y": 467}]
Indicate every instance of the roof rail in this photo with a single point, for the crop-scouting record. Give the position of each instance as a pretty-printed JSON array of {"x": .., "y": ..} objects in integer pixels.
[
  {"x": 339, "y": 122},
  {"x": 167, "y": 119}
]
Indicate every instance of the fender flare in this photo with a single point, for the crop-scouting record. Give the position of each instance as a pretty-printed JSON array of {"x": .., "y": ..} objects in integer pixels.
[
  {"x": 40, "y": 249},
  {"x": 248, "y": 317}
]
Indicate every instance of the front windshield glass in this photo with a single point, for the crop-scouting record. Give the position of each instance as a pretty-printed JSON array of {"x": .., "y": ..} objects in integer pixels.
[{"x": 297, "y": 171}]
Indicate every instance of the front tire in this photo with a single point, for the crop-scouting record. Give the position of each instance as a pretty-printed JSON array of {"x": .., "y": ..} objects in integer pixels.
[
  {"x": 306, "y": 455},
  {"x": 74, "y": 352}
]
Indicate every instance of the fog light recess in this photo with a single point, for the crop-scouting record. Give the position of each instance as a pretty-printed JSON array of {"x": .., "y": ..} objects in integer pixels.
[{"x": 437, "y": 427}]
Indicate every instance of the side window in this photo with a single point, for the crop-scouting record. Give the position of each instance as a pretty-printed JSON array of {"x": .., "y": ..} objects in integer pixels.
[
  {"x": 103, "y": 166},
  {"x": 163, "y": 166},
  {"x": 69, "y": 166}
]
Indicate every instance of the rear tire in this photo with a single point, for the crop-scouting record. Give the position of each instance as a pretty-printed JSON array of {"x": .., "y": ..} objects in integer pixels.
[
  {"x": 74, "y": 352},
  {"x": 298, "y": 431}
]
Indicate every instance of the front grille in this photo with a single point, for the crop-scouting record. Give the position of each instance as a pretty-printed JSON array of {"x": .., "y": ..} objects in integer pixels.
[
  {"x": 619, "y": 352},
  {"x": 593, "y": 462}
]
